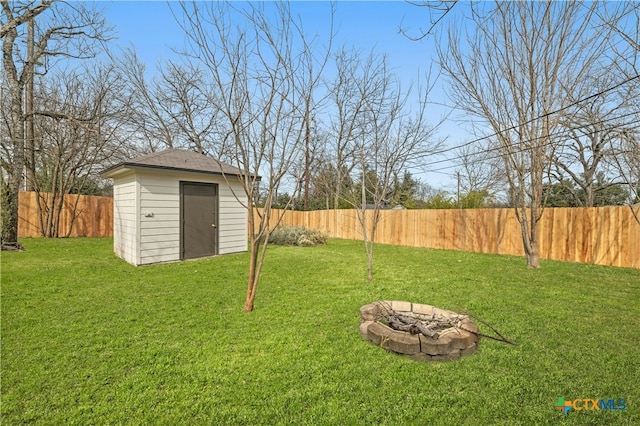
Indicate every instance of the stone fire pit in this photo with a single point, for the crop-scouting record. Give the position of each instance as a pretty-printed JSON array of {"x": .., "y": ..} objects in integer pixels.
[{"x": 423, "y": 332}]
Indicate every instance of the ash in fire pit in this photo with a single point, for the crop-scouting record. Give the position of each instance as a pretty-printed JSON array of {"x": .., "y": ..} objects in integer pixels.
[{"x": 423, "y": 332}]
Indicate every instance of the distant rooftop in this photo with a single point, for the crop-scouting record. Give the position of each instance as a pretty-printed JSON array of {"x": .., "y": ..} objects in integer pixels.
[{"x": 178, "y": 160}]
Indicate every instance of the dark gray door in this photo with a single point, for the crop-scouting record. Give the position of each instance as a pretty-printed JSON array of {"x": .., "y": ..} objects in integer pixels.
[{"x": 199, "y": 217}]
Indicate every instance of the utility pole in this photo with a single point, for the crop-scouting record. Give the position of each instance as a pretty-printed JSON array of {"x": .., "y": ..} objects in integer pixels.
[
  {"x": 307, "y": 159},
  {"x": 29, "y": 131},
  {"x": 458, "y": 197}
]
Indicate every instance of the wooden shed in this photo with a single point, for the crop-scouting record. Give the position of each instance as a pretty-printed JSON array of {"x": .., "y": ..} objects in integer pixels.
[{"x": 175, "y": 205}]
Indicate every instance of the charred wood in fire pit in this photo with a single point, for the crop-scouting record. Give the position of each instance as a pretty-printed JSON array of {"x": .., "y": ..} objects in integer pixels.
[
  {"x": 412, "y": 324},
  {"x": 396, "y": 324},
  {"x": 427, "y": 330}
]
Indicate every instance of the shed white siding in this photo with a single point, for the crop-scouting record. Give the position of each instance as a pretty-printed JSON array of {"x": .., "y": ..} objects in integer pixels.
[
  {"x": 159, "y": 217},
  {"x": 147, "y": 215},
  {"x": 232, "y": 229},
  {"x": 125, "y": 195}
]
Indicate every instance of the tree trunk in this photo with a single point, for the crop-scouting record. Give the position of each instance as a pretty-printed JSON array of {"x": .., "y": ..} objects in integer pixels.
[
  {"x": 252, "y": 281},
  {"x": 41, "y": 211},
  {"x": 73, "y": 216},
  {"x": 533, "y": 260},
  {"x": 253, "y": 260},
  {"x": 374, "y": 228},
  {"x": 28, "y": 106},
  {"x": 258, "y": 250},
  {"x": 10, "y": 223},
  {"x": 529, "y": 238}
]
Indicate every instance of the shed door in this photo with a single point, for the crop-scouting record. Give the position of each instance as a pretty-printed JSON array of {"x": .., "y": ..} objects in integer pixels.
[{"x": 199, "y": 217}]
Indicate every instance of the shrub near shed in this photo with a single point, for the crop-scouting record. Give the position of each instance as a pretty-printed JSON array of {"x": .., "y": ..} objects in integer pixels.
[{"x": 297, "y": 236}]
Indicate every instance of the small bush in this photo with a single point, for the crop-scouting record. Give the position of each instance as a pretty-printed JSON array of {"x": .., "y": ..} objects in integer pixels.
[{"x": 297, "y": 236}]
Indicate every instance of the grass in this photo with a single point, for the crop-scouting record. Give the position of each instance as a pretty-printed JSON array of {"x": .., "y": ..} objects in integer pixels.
[{"x": 89, "y": 339}]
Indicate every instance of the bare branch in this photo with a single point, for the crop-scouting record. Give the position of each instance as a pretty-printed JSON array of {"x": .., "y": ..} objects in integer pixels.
[
  {"x": 25, "y": 14},
  {"x": 438, "y": 10}
]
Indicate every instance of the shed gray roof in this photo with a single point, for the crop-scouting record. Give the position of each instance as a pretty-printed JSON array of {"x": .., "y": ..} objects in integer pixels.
[{"x": 178, "y": 160}]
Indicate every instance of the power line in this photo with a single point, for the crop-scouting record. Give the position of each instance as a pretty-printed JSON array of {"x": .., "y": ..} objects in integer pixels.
[
  {"x": 438, "y": 170},
  {"x": 565, "y": 131},
  {"x": 595, "y": 95}
]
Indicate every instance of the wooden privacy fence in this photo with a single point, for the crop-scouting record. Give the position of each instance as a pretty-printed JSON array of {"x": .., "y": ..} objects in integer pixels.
[
  {"x": 598, "y": 235},
  {"x": 94, "y": 216}
]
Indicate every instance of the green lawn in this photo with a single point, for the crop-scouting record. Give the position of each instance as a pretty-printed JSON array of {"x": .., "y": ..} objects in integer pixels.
[{"x": 89, "y": 339}]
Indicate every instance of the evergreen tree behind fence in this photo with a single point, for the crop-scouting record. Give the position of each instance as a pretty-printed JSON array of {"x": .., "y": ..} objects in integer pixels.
[{"x": 598, "y": 235}]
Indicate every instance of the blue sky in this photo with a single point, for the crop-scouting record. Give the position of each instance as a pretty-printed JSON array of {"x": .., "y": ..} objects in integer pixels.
[{"x": 149, "y": 26}]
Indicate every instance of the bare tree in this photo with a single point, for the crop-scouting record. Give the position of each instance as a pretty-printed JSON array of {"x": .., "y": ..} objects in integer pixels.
[
  {"x": 517, "y": 69},
  {"x": 586, "y": 152},
  {"x": 172, "y": 110},
  {"x": 311, "y": 165},
  {"x": 625, "y": 56},
  {"x": 479, "y": 171},
  {"x": 625, "y": 142},
  {"x": 324, "y": 182},
  {"x": 398, "y": 142},
  {"x": 69, "y": 31},
  {"x": 77, "y": 120},
  {"x": 608, "y": 109},
  {"x": 147, "y": 120},
  {"x": 14, "y": 16},
  {"x": 627, "y": 159},
  {"x": 263, "y": 73},
  {"x": 386, "y": 137},
  {"x": 348, "y": 104},
  {"x": 188, "y": 107}
]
